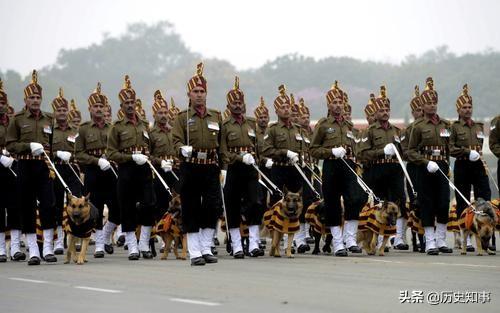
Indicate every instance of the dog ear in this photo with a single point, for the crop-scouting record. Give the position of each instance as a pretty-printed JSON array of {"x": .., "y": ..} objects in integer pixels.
[
  {"x": 68, "y": 198},
  {"x": 87, "y": 197},
  {"x": 285, "y": 190},
  {"x": 300, "y": 191}
]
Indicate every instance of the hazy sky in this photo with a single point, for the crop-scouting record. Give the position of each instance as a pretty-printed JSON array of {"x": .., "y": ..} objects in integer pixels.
[{"x": 249, "y": 33}]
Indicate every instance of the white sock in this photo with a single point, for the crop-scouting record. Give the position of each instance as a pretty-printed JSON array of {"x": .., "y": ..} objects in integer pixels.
[
  {"x": 350, "y": 231},
  {"x": 399, "y": 231},
  {"x": 469, "y": 240},
  {"x": 32, "y": 245},
  {"x": 235, "y": 239},
  {"x": 99, "y": 240},
  {"x": 59, "y": 244},
  {"x": 300, "y": 236},
  {"x": 441, "y": 235},
  {"x": 48, "y": 239},
  {"x": 430, "y": 238},
  {"x": 2, "y": 244},
  {"x": 194, "y": 245},
  {"x": 254, "y": 237},
  {"x": 131, "y": 241},
  {"x": 337, "y": 240},
  {"x": 107, "y": 230},
  {"x": 144, "y": 238},
  {"x": 206, "y": 240},
  {"x": 15, "y": 241}
]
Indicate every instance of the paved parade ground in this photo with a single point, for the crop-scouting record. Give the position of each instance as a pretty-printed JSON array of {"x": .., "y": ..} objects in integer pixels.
[{"x": 306, "y": 283}]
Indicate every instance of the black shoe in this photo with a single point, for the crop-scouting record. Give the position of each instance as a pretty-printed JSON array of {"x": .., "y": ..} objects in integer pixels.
[
  {"x": 99, "y": 254},
  {"x": 198, "y": 261},
  {"x": 354, "y": 249},
  {"x": 254, "y": 253},
  {"x": 415, "y": 248},
  {"x": 50, "y": 258},
  {"x": 34, "y": 260},
  {"x": 147, "y": 255},
  {"x": 239, "y": 255},
  {"x": 433, "y": 251},
  {"x": 303, "y": 248},
  {"x": 59, "y": 251},
  {"x": 133, "y": 257},
  {"x": 402, "y": 246},
  {"x": 261, "y": 252},
  {"x": 216, "y": 241},
  {"x": 18, "y": 256},
  {"x": 120, "y": 242},
  {"x": 3, "y": 258},
  {"x": 214, "y": 250},
  {"x": 210, "y": 258},
  {"x": 445, "y": 249},
  {"x": 470, "y": 249},
  {"x": 341, "y": 252},
  {"x": 293, "y": 250},
  {"x": 109, "y": 249},
  {"x": 386, "y": 249},
  {"x": 125, "y": 247}
]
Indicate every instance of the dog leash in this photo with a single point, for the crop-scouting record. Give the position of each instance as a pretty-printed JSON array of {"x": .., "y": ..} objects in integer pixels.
[
  {"x": 57, "y": 172},
  {"x": 461, "y": 195},
  {"x": 400, "y": 160},
  {"x": 487, "y": 169},
  {"x": 74, "y": 172},
  {"x": 268, "y": 180},
  {"x": 297, "y": 167},
  {"x": 361, "y": 183},
  {"x": 159, "y": 177}
]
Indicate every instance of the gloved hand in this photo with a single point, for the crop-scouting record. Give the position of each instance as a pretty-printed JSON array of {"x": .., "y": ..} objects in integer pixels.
[
  {"x": 389, "y": 149},
  {"x": 64, "y": 155},
  {"x": 474, "y": 155},
  {"x": 339, "y": 152},
  {"x": 166, "y": 165},
  {"x": 293, "y": 156},
  {"x": 139, "y": 158},
  {"x": 187, "y": 151},
  {"x": 36, "y": 148},
  {"x": 223, "y": 177},
  {"x": 248, "y": 159},
  {"x": 104, "y": 164},
  {"x": 432, "y": 167},
  {"x": 6, "y": 161},
  {"x": 269, "y": 163}
]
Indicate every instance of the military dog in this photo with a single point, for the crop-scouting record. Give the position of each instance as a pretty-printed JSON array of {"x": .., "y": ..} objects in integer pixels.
[
  {"x": 481, "y": 223},
  {"x": 374, "y": 221},
  {"x": 81, "y": 222},
  {"x": 316, "y": 217},
  {"x": 170, "y": 229},
  {"x": 283, "y": 218}
]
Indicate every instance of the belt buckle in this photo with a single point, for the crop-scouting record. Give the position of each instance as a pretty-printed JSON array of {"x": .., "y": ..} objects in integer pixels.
[
  {"x": 201, "y": 155},
  {"x": 436, "y": 152}
]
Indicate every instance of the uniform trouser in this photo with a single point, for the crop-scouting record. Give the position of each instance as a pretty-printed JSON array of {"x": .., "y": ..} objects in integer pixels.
[
  {"x": 102, "y": 188},
  {"x": 470, "y": 174},
  {"x": 388, "y": 184},
  {"x": 200, "y": 196},
  {"x": 433, "y": 195},
  {"x": 136, "y": 196},
  {"x": 367, "y": 174},
  {"x": 263, "y": 193},
  {"x": 74, "y": 186},
  {"x": 308, "y": 196},
  {"x": 412, "y": 170},
  {"x": 339, "y": 181},
  {"x": 285, "y": 176},
  {"x": 35, "y": 184},
  {"x": 240, "y": 195},
  {"x": 9, "y": 200},
  {"x": 162, "y": 196}
]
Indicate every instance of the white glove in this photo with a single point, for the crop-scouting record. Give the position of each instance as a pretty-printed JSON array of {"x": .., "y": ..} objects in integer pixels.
[
  {"x": 293, "y": 156},
  {"x": 432, "y": 167},
  {"x": 6, "y": 161},
  {"x": 166, "y": 165},
  {"x": 474, "y": 155},
  {"x": 269, "y": 163},
  {"x": 104, "y": 164},
  {"x": 248, "y": 159},
  {"x": 187, "y": 151},
  {"x": 64, "y": 155},
  {"x": 223, "y": 177},
  {"x": 36, "y": 148},
  {"x": 338, "y": 152},
  {"x": 389, "y": 149},
  {"x": 139, "y": 158}
]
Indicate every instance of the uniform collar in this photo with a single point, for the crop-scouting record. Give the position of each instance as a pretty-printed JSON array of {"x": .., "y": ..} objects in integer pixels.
[
  {"x": 233, "y": 120},
  {"x": 93, "y": 123},
  {"x": 192, "y": 112},
  {"x": 464, "y": 123},
  {"x": 282, "y": 124},
  {"x": 68, "y": 126},
  {"x": 28, "y": 113},
  {"x": 134, "y": 122},
  {"x": 379, "y": 125}
]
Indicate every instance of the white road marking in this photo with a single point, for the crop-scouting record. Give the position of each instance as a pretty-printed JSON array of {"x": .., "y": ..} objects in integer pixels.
[
  {"x": 469, "y": 265},
  {"x": 29, "y": 280},
  {"x": 435, "y": 263},
  {"x": 98, "y": 289},
  {"x": 190, "y": 301}
]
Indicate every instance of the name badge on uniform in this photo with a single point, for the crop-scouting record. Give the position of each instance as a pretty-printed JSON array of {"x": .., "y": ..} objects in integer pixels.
[
  {"x": 444, "y": 132},
  {"x": 397, "y": 139},
  {"x": 480, "y": 134},
  {"x": 145, "y": 133},
  {"x": 191, "y": 121},
  {"x": 213, "y": 126},
  {"x": 330, "y": 130},
  {"x": 251, "y": 132},
  {"x": 72, "y": 138},
  {"x": 298, "y": 137},
  {"x": 307, "y": 140},
  {"x": 47, "y": 129}
]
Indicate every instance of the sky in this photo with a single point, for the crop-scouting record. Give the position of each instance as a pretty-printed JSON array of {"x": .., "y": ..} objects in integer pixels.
[{"x": 249, "y": 33}]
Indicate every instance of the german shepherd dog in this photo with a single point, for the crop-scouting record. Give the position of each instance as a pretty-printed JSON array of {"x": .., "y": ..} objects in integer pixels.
[
  {"x": 172, "y": 232},
  {"x": 315, "y": 216},
  {"x": 380, "y": 216},
  {"x": 481, "y": 224},
  {"x": 82, "y": 220},
  {"x": 285, "y": 219}
]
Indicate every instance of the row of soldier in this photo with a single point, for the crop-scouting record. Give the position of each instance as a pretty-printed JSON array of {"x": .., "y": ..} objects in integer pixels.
[{"x": 220, "y": 155}]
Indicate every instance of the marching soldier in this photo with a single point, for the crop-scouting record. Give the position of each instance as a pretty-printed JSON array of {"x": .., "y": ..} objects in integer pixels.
[
  {"x": 332, "y": 141},
  {"x": 429, "y": 149},
  {"x": 128, "y": 146},
  {"x": 466, "y": 145},
  {"x": 494, "y": 140},
  {"x": 100, "y": 182},
  {"x": 29, "y": 136},
  {"x": 196, "y": 137},
  {"x": 74, "y": 115},
  {"x": 63, "y": 148}
]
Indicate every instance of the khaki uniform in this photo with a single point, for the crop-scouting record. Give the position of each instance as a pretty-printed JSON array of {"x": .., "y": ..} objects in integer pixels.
[{"x": 495, "y": 141}]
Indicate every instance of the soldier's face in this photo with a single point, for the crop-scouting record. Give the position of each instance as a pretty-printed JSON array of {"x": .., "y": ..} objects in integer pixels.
[
  {"x": 128, "y": 106},
  {"x": 263, "y": 120},
  {"x": 383, "y": 114},
  {"x": 61, "y": 114},
  {"x": 3, "y": 106},
  {"x": 370, "y": 119},
  {"x": 76, "y": 121},
  {"x": 236, "y": 107},
  {"x": 336, "y": 106},
  {"x": 33, "y": 102},
  {"x": 465, "y": 111},
  {"x": 430, "y": 107},
  {"x": 283, "y": 111},
  {"x": 161, "y": 115},
  {"x": 304, "y": 120},
  {"x": 97, "y": 110},
  {"x": 198, "y": 96},
  {"x": 294, "y": 116},
  {"x": 417, "y": 113},
  {"x": 347, "y": 116}
]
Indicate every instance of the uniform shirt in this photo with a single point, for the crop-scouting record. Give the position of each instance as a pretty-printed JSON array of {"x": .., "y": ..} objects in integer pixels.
[
  {"x": 91, "y": 139},
  {"x": 64, "y": 140},
  {"x": 26, "y": 128},
  {"x": 495, "y": 136},
  {"x": 161, "y": 145},
  {"x": 260, "y": 133},
  {"x": 405, "y": 138},
  {"x": 236, "y": 137},
  {"x": 126, "y": 137},
  {"x": 465, "y": 138},
  {"x": 280, "y": 138},
  {"x": 425, "y": 134},
  {"x": 306, "y": 152},
  {"x": 4, "y": 123},
  {"x": 329, "y": 134},
  {"x": 376, "y": 138}
]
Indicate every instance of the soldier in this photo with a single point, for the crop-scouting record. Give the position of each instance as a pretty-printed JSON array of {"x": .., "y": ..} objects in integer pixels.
[
  {"x": 331, "y": 141},
  {"x": 196, "y": 137},
  {"x": 370, "y": 118},
  {"x": 466, "y": 145},
  {"x": 8, "y": 205},
  {"x": 63, "y": 148},
  {"x": 377, "y": 148},
  {"x": 100, "y": 182},
  {"x": 29, "y": 136},
  {"x": 108, "y": 112},
  {"x": 128, "y": 146},
  {"x": 74, "y": 115},
  {"x": 261, "y": 113},
  {"x": 494, "y": 141},
  {"x": 428, "y": 148},
  {"x": 238, "y": 151}
]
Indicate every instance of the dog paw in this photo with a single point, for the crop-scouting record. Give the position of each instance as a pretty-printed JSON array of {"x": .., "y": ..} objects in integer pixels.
[
  {"x": 463, "y": 253},
  {"x": 381, "y": 254},
  {"x": 479, "y": 254},
  {"x": 163, "y": 258},
  {"x": 277, "y": 256},
  {"x": 290, "y": 256},
  {"x": 66, "y": 261}
]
